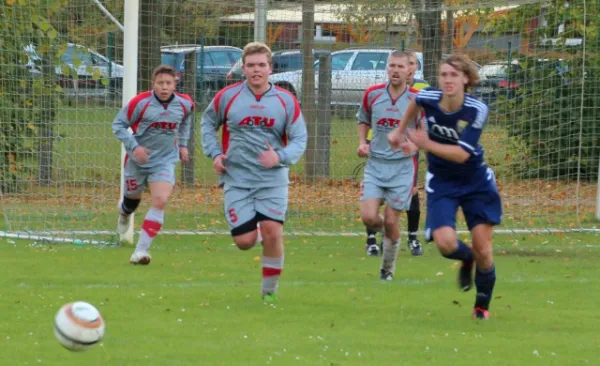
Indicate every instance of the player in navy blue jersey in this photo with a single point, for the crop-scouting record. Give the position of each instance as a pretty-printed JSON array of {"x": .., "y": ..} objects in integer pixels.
[{"x": 456, "y": 174}]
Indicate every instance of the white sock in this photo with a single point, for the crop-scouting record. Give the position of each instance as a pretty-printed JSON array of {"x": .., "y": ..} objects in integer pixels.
[
  {"x": 150, "y": 228},
  {"x": 390, "y": 252}
]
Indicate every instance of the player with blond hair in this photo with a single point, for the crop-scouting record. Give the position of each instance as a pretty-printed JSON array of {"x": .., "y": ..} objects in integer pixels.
[
  {"x": 457, "y": 175},
  {"x": 263, "y": 134}
]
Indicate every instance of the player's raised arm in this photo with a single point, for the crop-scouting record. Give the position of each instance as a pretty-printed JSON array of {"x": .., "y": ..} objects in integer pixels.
[
  {"x": 363, "y": 118},
  {"x": 410, "y": 116},
  {"x": 183, "y": 135},
  {"x": 469, "y": 138},
  {"x": 297, "y": 137},
  {"x": 211, "y": 121},
  {"x": 123, "y": 121},
  {"x": 396, "y": 137}
]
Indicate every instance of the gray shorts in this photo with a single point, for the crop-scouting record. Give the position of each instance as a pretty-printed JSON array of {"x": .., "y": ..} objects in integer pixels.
[
  {"x": 242, "y": 204},
  {"x": 391, "y": 181},
  {"x": 137, "y": 178}
]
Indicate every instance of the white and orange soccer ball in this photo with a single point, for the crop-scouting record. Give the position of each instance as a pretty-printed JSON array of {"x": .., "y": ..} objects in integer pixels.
[{"x": 78, "y": 326}]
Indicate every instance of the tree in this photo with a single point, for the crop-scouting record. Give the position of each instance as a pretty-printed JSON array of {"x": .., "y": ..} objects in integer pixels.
[
  {"x": 372, "y": 22},
  {"x": 27, "y": 91},
  {"x": 428, "y": 16},
  {"x": 555, "y": 112},
  {"x": 150, "y": 40}
]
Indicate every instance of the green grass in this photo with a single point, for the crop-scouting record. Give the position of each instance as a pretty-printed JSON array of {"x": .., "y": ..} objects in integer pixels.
[{"x": 198, "y": 303}]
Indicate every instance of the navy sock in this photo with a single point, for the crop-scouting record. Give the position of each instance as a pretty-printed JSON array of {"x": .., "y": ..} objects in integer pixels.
[
  {"x": 484, "y": 283},
  {"x": 462, "y": 253},
  {"x": 371, "y": 237}
]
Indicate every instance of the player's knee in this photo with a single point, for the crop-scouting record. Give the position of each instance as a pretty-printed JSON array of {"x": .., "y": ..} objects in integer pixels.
[
  {"x": 483, "y": 252},
  {"x": 270, "y": 233},
  {"x": 245, "y": 242},
  {"x": 370, "y": 220},
  {"x": 159, "y": 202},
  {"x": 390, "y": 223},
  {"x": 445, "y": 242}
]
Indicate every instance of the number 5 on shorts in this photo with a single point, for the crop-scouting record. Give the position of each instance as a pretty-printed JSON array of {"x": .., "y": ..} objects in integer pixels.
[{"x": 232, "y": 215}]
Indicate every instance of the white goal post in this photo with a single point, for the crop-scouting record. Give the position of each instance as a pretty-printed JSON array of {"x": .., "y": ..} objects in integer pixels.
[{"x": 130, "y": 64}]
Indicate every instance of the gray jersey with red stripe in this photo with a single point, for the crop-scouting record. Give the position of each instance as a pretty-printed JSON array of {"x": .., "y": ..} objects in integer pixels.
[
  {"x": 157, "y": 126},
  {"x": 250, "y": 122},
  {"x": 383, "y": 114}
]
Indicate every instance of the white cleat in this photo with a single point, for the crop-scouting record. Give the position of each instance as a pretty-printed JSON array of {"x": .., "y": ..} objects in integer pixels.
[
  {"x": 140, "y": 258},
  {"x": 123, "y": 224}
]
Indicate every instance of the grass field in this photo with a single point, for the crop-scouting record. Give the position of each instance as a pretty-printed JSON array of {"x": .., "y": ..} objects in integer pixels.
[{"x": 198, "y": 303}]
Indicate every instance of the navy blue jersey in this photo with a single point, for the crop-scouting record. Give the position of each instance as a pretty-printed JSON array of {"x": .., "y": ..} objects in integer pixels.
[{"x": 462, "y": 127}]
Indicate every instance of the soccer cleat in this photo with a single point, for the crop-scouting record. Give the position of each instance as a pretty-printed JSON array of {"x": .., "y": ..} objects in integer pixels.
[
  {"x": 123, "y": 224},
  {"x": 139, "y": 257},
  {"x": 415, "y": 247},
  {"x": 479, "y": 313},
  {"x": 373, "y": 250},
  {"x": 269, "y": 298},
  {"x": 465, "y": 276},
  {"x": 386, "y": 275}
]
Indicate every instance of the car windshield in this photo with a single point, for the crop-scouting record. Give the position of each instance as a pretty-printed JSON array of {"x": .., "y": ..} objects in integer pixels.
[{"x": 169, "y": 59}]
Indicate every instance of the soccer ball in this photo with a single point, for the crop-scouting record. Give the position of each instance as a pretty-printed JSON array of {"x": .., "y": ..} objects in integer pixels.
[{"x": 78, "y": 326}]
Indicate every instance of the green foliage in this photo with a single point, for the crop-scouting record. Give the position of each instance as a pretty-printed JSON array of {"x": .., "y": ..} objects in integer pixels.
[
  {"x": 26, "y": 90},
  {"x": 556, "y": 115}
]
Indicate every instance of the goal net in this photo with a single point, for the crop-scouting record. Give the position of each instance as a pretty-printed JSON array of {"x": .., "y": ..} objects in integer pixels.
[{"x": 63, "y": 79}]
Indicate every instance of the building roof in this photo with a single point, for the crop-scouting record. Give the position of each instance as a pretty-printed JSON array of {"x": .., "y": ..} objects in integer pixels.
[
  {"x": 325, "y": 13},
  {"x": 336, "y": 13}
]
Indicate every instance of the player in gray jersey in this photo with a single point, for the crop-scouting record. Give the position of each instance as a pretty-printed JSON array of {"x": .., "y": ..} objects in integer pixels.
[
  {"x": 389, "y": 174},
  {"x": 263, "y": 133},
  {"x": 160, "y": 120}
]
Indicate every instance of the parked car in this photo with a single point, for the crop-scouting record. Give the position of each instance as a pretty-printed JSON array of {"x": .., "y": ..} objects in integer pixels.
[
  {"x": 498, "y": 79},
  {"x": 283, "y": 61},
  {"x": 210, "y": 75},
  {"x": 90, "y": 66},
  {"x": 353, "y": 71}
]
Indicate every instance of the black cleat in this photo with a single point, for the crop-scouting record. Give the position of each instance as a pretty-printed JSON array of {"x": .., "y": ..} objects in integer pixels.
[
  {"x": 481, "y": 314},
  {"x": 386, "y": 275},
  {"x": 373, "y": 250},
  {"x": 465, "y": 276},
  {"x": 415, "y": 247}
]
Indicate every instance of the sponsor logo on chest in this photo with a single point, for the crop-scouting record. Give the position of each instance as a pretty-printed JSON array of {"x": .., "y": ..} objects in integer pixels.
[{"x": 257, "y": 121}]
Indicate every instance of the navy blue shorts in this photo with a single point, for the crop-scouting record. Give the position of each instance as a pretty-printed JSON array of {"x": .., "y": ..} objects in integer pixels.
[{"x": 478, "y": 197}]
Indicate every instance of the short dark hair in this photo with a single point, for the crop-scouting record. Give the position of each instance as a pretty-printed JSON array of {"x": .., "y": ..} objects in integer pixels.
[
  {"x": 398, "y": 53},
  {"x": 164, "y": 69}
]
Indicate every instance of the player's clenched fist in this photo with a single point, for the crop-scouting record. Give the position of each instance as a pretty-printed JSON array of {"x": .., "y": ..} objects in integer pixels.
[
  {"x": 140, "y": 154},
  {"x": 395, "y": 139},
  {"x": 219, "y": 164},
  {"x": 363, "y": 150},
  {"x": 184, "y": 154}
]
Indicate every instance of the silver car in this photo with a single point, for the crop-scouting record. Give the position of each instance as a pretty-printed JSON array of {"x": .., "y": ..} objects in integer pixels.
[{"x": 353, "y": 71}]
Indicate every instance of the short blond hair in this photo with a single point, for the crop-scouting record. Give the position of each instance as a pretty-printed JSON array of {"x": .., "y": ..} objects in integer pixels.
[
  {"x": 164, "y": 69},
  {"x": 253, "y": 48},
  {"x": 463, "y": 64}
]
